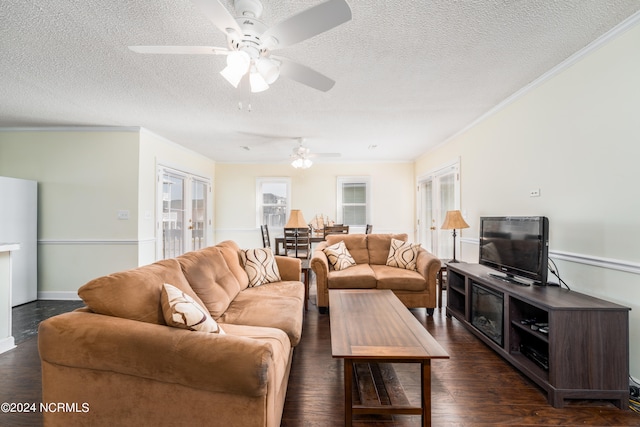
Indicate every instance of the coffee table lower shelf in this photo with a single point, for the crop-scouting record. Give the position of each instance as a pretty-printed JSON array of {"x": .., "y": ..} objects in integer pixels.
[{"x": 374, "y": 388}]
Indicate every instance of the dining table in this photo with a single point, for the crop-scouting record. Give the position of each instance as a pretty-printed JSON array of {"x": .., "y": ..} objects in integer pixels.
[{"x": 315, "y": 238}]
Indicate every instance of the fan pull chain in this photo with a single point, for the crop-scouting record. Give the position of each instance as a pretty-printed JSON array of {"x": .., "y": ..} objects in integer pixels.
[{"x": 248, "y": 106}]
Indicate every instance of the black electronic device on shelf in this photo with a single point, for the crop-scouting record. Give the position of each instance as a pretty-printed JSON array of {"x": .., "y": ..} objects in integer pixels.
[
  {"x": 534, "y": 355},
  {"x": 517, "y": 246}
]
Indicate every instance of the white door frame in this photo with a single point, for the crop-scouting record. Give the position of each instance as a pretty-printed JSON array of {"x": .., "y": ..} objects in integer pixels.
[
  {"x": 188, "y": 177},
  {"x": 437, "y": 212}
]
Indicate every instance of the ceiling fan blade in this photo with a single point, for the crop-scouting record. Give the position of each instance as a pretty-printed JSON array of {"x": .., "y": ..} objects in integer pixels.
[
  {"x": 181, "y": 50},
  {"x": 309, "y": 23},
  {"x": 268, "y": 135},
  {"x": 305, "y": 75},
  {"x": 219, "y": 15},
  {"x": 326, "y": 154}
]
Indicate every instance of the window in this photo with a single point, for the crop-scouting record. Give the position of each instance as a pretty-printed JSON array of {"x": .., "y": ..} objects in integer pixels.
[
  {"x": 354, "y": 201},
  {"x": 273, "y": 196}
]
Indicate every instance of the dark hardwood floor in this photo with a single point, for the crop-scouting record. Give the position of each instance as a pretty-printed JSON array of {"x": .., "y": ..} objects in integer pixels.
[{"x": 475, "y": 387}]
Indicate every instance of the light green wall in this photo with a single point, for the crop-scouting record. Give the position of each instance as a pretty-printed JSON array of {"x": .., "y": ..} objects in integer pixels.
[
  {"x": 576, "y": 137},
  {"x": 314, "y": 192},
  {"x": 84, "y": 179}
]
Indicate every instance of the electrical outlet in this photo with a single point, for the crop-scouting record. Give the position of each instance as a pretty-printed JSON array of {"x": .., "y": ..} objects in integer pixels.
[
  {"x": 123, "y": 214},
  {"x": 534, "y": 193}
]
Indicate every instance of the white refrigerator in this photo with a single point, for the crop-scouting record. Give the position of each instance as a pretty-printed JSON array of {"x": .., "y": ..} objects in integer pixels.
[{"x": 19, "y": 224}]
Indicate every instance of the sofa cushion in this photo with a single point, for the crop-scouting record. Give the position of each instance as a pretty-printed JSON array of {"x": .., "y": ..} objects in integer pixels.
[
  {"x": 260, "y": 266},
  {"x": 182, "y": 311},
  {"x": 398, "y": 278},
  {"x": 360, "y": 276},
  {"x": 379, "y": 245},
  {"x": 339, "y": 256},
  {"x": 211, "y": 279},
  {"x": 403, "y": 254},
  {"x": 355, "y": 243},
  {"x": 135, "y": 294},
  {"x": 288, "y": 288},
  {"x": 255, "y": 307},
  {"x": 231, "y": 253}
]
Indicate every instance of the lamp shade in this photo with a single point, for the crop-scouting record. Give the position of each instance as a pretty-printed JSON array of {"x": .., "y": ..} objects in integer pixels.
[
  {"x": 301, "y": 163},
  {"x": 268, "y": 68},
  {"x": 239, "y": 61},
  {"x": 232, "y": 76},
  {"x": 257, "y": 82},
  {"x": 453, "y": 221},
  {"x": 296, "y": 220}
]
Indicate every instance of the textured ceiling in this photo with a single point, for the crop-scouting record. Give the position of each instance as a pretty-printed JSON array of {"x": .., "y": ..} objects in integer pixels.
[{"x": 409, "y": 74}]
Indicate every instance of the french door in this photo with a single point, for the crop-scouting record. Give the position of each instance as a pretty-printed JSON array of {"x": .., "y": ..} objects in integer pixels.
[
  {"x": 438, "y": 192},
  {"x": 184, "y": 212}
]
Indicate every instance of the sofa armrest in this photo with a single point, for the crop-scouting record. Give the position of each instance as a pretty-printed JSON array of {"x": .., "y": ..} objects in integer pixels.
[
  {"x": 428, "y": 266},
  {"x": 290, "y": 268},
  {"x": 211, "y": 362},
  {"x": 320, "y": 266}
]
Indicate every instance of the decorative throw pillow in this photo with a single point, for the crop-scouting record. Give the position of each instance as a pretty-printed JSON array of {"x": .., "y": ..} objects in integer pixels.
[
  {"x": 260, "y": 266},
  {"x": 403, "y": 254},
  {"x": 339, "y": 256},
  {"x": 182, "y": 311}
]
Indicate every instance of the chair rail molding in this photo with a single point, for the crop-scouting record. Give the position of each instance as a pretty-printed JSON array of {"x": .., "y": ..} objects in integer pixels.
[
  {"x": 80, "y": 242},
  {"x": 592, "y": 260}
]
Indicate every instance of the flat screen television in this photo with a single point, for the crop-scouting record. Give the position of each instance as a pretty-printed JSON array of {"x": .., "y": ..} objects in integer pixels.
[{"x": 517, "y": 246}]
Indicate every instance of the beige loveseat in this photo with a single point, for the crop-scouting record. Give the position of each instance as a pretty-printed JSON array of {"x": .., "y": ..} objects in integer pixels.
[
  {"x": 415, "y": 288},
  {"x": 120, "y": 364}
]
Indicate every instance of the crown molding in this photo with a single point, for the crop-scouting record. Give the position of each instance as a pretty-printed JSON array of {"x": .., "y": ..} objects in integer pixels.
[
  {"x": 601, "y": 41},
  {"x": 71, "y": 129}
]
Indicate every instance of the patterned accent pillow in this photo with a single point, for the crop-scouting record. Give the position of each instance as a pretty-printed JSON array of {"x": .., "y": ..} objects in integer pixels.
[
  {"x": 182, "y": 311},
  {"x": 260, "y": 266},
  {"x": 339, "y": 256},
  {"x": 403, "y": 254}
]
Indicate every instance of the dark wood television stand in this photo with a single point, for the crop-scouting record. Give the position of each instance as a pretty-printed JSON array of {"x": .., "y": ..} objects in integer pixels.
[{"x": 583, "y": 355}]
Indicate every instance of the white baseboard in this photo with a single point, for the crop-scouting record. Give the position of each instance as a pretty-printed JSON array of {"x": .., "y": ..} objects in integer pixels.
[
  {"x": 7, "y": 344},
  {"x": 59, "y": 295}
]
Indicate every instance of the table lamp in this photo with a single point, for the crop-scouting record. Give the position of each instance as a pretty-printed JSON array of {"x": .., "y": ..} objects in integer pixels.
[
  {"x": 296, "y": 220},
  {"x": 454, "y": 221}
]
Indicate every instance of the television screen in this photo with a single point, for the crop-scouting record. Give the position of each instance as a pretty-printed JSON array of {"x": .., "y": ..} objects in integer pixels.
[{"x": 517, "y": 246}]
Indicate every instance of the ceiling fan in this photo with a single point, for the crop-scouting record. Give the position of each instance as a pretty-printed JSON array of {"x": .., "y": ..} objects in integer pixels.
[
  {"x": 251, "y": 42},
  {"x": 301, "y": 157}
]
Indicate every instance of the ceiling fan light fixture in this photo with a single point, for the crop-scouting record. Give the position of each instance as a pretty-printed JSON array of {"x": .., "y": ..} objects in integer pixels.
[
  {"x": 231, "y": 75},
  {"x": 269, "y": 69},
  {"x": 301, "y": 163},
  {"x": 257, "y": 82},
  {"x": 239, "y": 61}
]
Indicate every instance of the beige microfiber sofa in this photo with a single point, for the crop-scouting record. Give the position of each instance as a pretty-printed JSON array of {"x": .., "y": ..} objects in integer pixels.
[
  {"x": 122, "y": 365},
  {"x": 415, "y": 288}
]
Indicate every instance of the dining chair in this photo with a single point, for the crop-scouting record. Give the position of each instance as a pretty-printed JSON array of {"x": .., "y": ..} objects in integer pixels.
[
  {"x": 297, "y": 242},
  {"x": 266, "y": 240},
  {"x": 335, "y": 229}
]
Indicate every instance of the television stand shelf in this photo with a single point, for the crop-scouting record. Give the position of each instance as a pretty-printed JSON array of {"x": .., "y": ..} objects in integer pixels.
[{"x": 572, "y": 345}]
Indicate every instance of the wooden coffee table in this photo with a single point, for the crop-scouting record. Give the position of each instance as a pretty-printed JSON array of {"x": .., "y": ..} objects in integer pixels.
[{"x": 374, "y": 327}]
